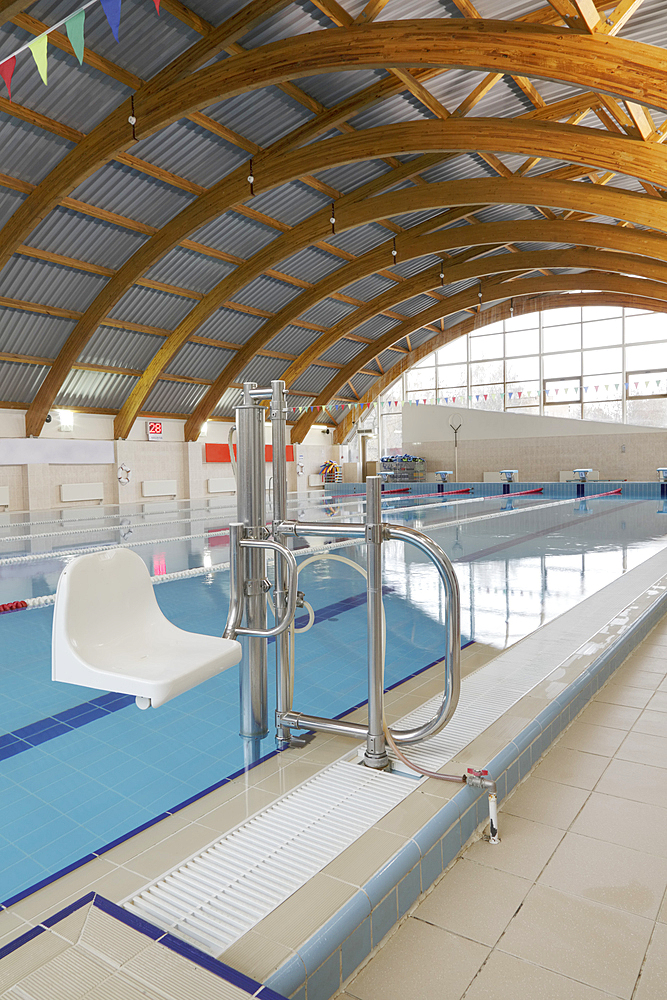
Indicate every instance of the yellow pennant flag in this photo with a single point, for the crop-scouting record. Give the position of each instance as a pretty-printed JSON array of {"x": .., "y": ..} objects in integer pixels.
[{"x": 38, "y": 49}]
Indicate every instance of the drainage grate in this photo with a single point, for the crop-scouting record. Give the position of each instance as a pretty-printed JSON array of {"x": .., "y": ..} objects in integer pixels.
[{"x": 217, "y": 896}]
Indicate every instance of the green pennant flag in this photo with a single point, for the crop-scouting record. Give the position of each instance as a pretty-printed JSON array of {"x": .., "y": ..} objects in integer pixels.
[
  {"x": 74, "y": 27},
  {"x": 38, "y": 50}
]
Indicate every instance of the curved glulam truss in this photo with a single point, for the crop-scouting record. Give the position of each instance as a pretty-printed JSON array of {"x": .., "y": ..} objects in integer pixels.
[{"x": 469, "y": 161}]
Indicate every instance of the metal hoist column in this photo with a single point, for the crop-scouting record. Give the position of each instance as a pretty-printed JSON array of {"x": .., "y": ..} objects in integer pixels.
[
  {"x": 376, "y": 753},
  {"x": 251, "y": 512},
  {"x": 283, "y": 665}
]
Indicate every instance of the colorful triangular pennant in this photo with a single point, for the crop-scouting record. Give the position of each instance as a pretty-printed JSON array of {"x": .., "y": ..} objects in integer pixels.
[
  {"x": 38, "y": 50},
  {"x": 112, "y": 10},
  {"x": 7, "y": 71},
  {"x": 74, "y": 27}
]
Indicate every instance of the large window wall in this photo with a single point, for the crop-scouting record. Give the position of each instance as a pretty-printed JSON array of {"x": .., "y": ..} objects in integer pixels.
[{"x": 595, "y": 363}]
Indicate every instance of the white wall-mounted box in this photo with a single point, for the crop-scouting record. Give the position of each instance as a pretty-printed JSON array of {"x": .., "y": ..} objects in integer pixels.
[
  {"x": 159, "y": 488},
  {"x": 73, "y": 492}
]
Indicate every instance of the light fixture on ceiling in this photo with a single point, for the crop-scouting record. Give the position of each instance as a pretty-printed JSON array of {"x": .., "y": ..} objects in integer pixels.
[{"x": 66, "y": 420}]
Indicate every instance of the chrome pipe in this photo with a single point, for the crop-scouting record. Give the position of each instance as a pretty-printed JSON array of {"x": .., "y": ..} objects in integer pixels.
[
  {"x": 376, "y": 751},
  {"x": 297, "y": 720},
  {"x": 299, "y": 528},
  {"x": 250, "y": 500},
  {"x": 288, "y": 559},
  {"x": 284, "y": 665},
  {"x": 450, "y": 697},
  {"x": 235, "y": 613}
]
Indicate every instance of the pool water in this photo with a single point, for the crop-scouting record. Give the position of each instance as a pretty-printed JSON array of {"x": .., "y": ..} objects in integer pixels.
[{"x": 81, "y": 768}]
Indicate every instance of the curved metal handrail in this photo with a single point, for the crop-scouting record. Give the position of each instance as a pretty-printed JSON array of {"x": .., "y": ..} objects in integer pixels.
[
  {"x": 236, "y": 543},
  {"x": 450, "y": 698}
]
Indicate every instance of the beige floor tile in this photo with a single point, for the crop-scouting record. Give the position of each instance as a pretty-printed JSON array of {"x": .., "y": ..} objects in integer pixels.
[
  {"x": 411, "y": 814},
  {"x": 236, "y": 810},
  {"x": 607, "y": 873},
  {"x": 53, "y": 897},
  {"x": 644, "y": 749},
  {"x": 653, "y": 980},
  {"x": 594, "y": 944},
  {"x": 147, "y": 838},
  {"x": 11, "y": 927},
  {"x": 289, "y": 777},
  {"x": 256, "y": 956},
  {"x": 474, "y": 901},
  {"x": 363, "y": 858},
  {"x": 621, "y": 694},
  {"x": 168, "y": 853},
  {"x": 504, "y": 977},
  {"x": 524, "y": 848},
  {"x": 640, "y": 782},
  {"x": 658, "y": 702},
  {"x": 651, "y": 722},
  {"x": 654, "y": 660},
  {"x": 662, "y": 915},
  {"x": 305, "y": 910},
  {"x": 600, "y": 713},
  {"x": 633, "y": 675},
  {"x": 546, "y": 802},
  {"x": 638, "y": 825},
  {"x": 421, "y": 963},
  {"x": 592, "y": 739},
  {"x": 571, "y": 767}
]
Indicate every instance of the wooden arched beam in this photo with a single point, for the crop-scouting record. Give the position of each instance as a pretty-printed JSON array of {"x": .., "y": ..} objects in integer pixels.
[
  {"x": 617, "y": 153},
  {"x": 492, "y": 292},
  {"x": 520, "y": 307},
  {"x": 485, "y": 191},
  {"x": 631, "y": 70}
]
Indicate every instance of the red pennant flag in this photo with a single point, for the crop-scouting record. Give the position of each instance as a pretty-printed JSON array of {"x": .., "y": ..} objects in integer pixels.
[
  {"x": 486, "y": 396},
  {"x": 7, "y": 71},
  {"x": 157, "y": 5},
  {"x": 519, "y": 395}
]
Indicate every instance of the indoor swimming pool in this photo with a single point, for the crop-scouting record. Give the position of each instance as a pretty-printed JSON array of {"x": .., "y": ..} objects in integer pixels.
[{"x": 81, "y": 768}]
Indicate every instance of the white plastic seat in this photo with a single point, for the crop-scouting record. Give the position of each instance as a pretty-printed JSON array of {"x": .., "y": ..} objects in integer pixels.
[{"x": 109, "y": 633}]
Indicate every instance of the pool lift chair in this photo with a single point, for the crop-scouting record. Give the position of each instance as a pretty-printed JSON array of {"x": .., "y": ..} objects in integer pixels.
[{"x": 110, "y": 634}]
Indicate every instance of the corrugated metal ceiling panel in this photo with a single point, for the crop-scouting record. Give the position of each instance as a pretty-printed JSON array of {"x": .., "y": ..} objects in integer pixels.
[
  {"x": 190, "y": 151},
  {"x": 122, "y": 189},
  {"x": 350, "y": 176},
  {"x": 82, "y": 237},
  {"x": 343, "y": 351},
  {"x": 189, "y": 269},
  {"x": 290, "y": 203},
  {"x": 328, "y": 312},
  {"x": 262, "y": 370},
  {"x": 315, "y": 379},
  {"x": 227, "y": 324},
  {"x": 362, "y": 383},
  {"x": 98, "y": 390},
  {"x": 389, "y": 358},
  {"x": 120, "y": 348},
  {"x": 39, "y": 281},
  {"x": 376, "y": 326},
  {"x": 236, "y": 234},
  {"x": 19, "y": 383},
  {"x": 408, "y": 268},
  {"x": 152, "y": 308},
  {"x": 174, "y": 397},
  {"x": 400, "y": 108},
  {"x": 292, "y": 340},
  {"x": 291, "y": 20},
  {"x": 367, "y": 288},
  {"x": 414, "y": 305},
  {"x": 199, "y": 361},
  {"x": 29, "y": 153},
  {"x": 9, "y": 202},
  {"x": 267, "y": 293},
  {"x": 228, "y": 403},
  {"x": 32, "y": 334},
  {"x": 362, "y": 239},
  {"x": 311, "y": 264},
  {"x": 263, "y": 116},
  {"x": 332, "y": 88}
]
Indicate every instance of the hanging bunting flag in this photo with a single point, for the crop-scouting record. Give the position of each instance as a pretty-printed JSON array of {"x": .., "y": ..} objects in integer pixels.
[
  {"x": 597, "y": 387},
  {"x": 112, "y": 10},
  {"x": 566, "y": 391},
  {"x": 510, "y": 395},
  {"x": 157, "y": 5},
  {"x": 7, "y": 71},
  {"x": 636, "y": 385},
  {"x": 519, "y": 395},
  {"x": 477, "y": 398},
  {"x": 74, "y": 27},
  {"x": 486, "y": 396},
  {"x": 556, "y": 391},
  {"x": 38, "y": 50}
]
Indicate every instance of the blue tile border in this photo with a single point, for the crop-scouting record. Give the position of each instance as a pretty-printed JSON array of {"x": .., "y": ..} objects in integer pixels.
[{"x": 177, "y": 945}]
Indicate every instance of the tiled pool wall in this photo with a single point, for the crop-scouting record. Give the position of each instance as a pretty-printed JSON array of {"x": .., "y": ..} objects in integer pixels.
[
  {"x": 559, "y": 491},
  {"x": 331, "y": 955}
]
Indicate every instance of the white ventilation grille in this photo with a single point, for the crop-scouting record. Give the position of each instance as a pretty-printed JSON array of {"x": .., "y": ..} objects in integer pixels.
[{"x": 220, "y": 894}]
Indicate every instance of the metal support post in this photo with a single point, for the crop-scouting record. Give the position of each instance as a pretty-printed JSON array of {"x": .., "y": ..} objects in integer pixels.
[
  {"x": 283, "y": 660},
  {"x": 250, "y": 505},
  {"x": 376, "y": 753}
]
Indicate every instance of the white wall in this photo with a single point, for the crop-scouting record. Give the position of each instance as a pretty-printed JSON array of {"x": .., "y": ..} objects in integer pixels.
[{"x": 539, "y": 447}]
